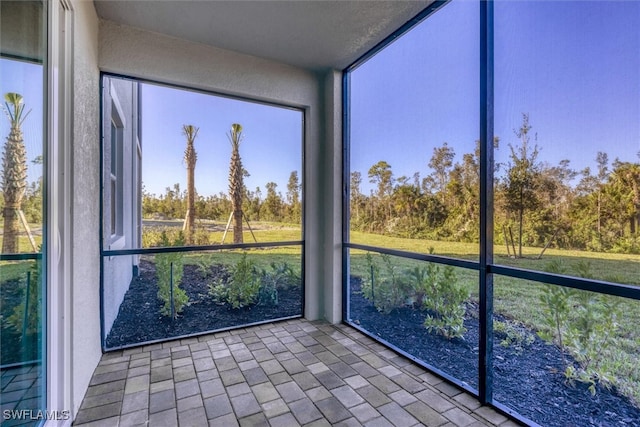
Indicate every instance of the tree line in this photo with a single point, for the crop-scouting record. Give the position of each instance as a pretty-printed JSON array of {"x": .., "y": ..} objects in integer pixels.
[
  {"x": 256, "y": 205},
  {"x": 535, "y": 203}
]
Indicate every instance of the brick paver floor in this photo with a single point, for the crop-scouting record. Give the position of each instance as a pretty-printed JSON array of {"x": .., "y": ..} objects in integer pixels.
[{"x": 293, "y": 373}]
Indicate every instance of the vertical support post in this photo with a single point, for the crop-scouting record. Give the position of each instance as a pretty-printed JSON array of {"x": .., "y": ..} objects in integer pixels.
[
  {"x": 25, "y": 315},
  {"x": 173, "y": 306},
  {"x": 485, "y": 356},
  {"x": 346, "y": 193}
]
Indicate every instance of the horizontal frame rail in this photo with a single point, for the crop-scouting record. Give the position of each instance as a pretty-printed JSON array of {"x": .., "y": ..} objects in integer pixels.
[
  {"x": 21, "y": 257},
  {"x": 599, "y": 286},
  {"x": 455, "y": 262},
  {"x": 172, "y": 249}
]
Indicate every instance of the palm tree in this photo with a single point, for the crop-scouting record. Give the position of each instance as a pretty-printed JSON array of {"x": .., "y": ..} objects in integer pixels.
[
  {"x": 14, "y": 172},
  {"x": 190, "y": 158},
  {"x": 236, "y": 184}
]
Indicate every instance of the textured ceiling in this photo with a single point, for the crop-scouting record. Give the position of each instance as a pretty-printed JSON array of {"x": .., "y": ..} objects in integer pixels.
[{"x": 309, "y": 34}]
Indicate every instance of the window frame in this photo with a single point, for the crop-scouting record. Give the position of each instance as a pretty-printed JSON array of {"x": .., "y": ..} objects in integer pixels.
[
  {"x": 120, "y": 248},
  {"x": 117, "y": 239}
]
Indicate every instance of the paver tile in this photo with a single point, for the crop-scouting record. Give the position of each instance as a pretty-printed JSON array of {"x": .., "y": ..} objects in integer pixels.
[
  {"x": 306, "y": 380},
  {"x": 193, "y": 417},
  {"x": 217, "y": 406},
  {"x": 190, "y": 403},
  {"x": 245, "y": 405},
  {"x": 98, "y": 412},
  {"x": 187, "y": 388},
  {"x": 255, "y": 420},
  {"x": 274, "y": 408},
  {"x": 305, "y": 411},
  {"x": 397, "y": 415},
  {"x": 162, "y": 401},
  {"x": 136, "y": 384},
  {"x": 255, "y": 376},
  {"x": 333, "y": 410},
  {"x": 364, "y": 412},
  {"x": 290, "y": 391},
  {"x": 140, "y": 417},
  {"x": 168, "y": 418},
  {"x": 265, "y": 392},
  {"x": 425, "y": 414},
  {"x": 347, "y": 396},
  {"x": 490, "y": 415},
  {"x": 228, "y": 420},
  {"x": 135, "y": 401},
  {"x": 311, "y": 374},
  {"x": 459, "y": 417}
]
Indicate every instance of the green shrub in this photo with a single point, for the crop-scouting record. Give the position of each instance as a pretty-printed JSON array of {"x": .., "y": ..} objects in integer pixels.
[
  {"x": 386, "y": 291},
  {"x": 162, "y": 236},
  {"x": 164, "y": 263},
  {"x": 513, "y": 335},
  {"x": 204, "y": 264},
  {"x": 242, "y": 288},
  {"x": 268, "y": 292},
  {"x": 444, "y": 301},
  {"x": 284, "y": 276},
  {"x": 584, "y": 325},
  {"x": 201, "y": 237}
]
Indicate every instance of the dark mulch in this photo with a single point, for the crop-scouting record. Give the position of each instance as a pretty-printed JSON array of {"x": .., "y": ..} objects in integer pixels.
[
  {"x": 529, "y": 380},
  {"x": 139, "y": 319}
]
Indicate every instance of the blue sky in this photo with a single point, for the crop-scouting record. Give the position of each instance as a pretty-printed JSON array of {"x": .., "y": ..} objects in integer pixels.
[
  {"x": 574, "y": 67},
  {"x": 270, "y": 151}
]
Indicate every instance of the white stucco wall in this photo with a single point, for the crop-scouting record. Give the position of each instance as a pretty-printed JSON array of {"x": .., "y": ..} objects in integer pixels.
[
  {"x": 332, "y": 195},
  {"x": 138, "y": 53},
  {"x": 85, "y": 205}
]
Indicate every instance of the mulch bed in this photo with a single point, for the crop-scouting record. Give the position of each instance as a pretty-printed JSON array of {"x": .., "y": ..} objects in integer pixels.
[
  {"x": 529, "y": 380},
  {"x": 139, "y": 319}
]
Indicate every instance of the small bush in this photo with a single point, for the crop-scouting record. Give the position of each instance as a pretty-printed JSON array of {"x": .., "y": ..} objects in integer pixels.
[
  {"x": 201, "y": 237},
  {"x": 584, "y": 325},
  {"x": 284, "y": 276},
  {"x": 268, "y": 293},
  {"x": 243, "y": 286},
  {"x": 161, "y": 236},
  {"x": 164, "y": 263},
  {"x": 444, "y": 302},
  {"x": 386, "y": 291},
  {"x": 513, "y": 335}
]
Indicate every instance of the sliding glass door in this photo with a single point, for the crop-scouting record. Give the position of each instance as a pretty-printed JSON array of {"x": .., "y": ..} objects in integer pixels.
[{"x": 23, "y": 65}]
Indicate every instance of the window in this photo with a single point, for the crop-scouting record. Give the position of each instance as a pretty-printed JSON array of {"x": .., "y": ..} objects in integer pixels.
[
  {"x": 414, "y": 176},
  {"x": 205, "y": 193},
  {"x": 567, "y": 102},
  {"x": 116, "y": 178},
  {"x": 530, "y": 294}
]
